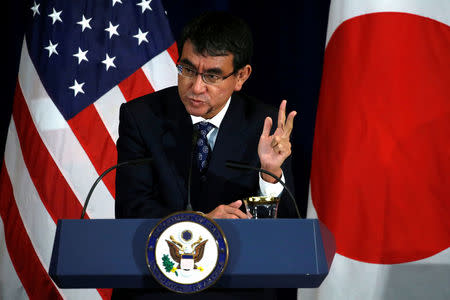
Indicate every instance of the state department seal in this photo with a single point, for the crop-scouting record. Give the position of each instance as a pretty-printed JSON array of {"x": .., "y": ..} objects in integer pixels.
[{"x": 187, "y": 252}]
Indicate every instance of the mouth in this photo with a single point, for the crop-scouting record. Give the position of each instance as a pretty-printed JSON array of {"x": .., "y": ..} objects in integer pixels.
[{"x": 196, "y": 102}]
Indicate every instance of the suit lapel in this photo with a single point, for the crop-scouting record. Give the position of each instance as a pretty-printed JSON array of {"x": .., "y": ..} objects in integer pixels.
[{"x": 229, "y": 143}]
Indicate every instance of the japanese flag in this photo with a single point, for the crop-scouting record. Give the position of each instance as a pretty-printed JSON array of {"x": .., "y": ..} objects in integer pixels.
[{"x": 380, "y": 177}]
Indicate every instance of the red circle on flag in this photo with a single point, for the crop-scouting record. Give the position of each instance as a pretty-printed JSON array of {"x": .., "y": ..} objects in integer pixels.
[{"x": 380, "y": 176}]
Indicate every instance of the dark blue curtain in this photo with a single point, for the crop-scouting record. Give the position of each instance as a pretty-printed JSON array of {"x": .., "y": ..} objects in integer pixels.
[{"x": 289, "y": 41}]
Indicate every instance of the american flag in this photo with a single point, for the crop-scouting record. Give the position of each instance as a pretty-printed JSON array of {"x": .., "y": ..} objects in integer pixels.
[{"x": 80, "y": 61}]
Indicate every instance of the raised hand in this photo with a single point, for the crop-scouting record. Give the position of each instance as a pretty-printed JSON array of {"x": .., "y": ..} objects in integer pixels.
[{"x": 274, "y": 149}]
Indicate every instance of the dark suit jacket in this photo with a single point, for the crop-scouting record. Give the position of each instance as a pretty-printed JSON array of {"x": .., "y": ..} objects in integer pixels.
[{"x": 158, "y": 126}]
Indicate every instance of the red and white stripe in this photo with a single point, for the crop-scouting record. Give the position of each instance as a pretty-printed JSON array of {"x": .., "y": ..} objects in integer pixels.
[{"x": 49, "y": 167}]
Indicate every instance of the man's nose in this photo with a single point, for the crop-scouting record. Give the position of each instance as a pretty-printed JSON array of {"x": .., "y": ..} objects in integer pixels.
[{"x": 198, "y": 86}]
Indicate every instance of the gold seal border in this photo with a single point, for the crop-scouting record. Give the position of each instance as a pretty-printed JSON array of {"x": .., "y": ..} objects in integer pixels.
[{"x": 218, "y": 250}]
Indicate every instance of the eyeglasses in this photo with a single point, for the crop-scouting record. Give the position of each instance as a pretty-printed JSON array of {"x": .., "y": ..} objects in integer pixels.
[{"x": 207, "y": 78}]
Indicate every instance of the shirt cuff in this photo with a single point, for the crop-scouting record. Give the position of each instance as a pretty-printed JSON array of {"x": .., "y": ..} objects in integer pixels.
[{"x": 270, "y": 189}]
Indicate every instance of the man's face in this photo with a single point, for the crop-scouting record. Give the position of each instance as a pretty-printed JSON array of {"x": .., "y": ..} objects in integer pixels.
[{"x": 206, "y": 100}]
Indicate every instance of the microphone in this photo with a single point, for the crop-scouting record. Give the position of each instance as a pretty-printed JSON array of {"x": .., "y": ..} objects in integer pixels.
[
  {"x": 242, "y": 166},
  {"x": 124, "y": 163},
  {"x": 194, "y": 142}
]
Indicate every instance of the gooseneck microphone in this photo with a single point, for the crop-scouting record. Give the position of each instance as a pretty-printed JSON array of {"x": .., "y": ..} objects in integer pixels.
[
  {"x": 124, "y": 163},
  {"x": 242, "y": 166},
  {"x": 194, "y": 142}
]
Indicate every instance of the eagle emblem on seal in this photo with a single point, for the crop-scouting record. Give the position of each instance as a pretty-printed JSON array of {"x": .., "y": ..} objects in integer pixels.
[{"x": 186, "y": 257}]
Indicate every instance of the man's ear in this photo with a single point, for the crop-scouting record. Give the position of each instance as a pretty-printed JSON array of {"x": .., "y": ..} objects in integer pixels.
[{"x": 242, "y": 75}]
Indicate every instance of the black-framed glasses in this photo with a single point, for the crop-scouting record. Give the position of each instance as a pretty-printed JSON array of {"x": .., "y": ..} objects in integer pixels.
[{"x": 208, "y": 78}]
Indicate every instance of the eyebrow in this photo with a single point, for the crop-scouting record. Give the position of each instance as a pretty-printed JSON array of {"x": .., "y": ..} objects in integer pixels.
[{"x": 209, "y": 71}]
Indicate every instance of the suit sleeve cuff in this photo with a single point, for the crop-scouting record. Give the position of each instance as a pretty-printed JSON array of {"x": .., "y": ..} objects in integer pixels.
[{"x": 270, "y": 189}]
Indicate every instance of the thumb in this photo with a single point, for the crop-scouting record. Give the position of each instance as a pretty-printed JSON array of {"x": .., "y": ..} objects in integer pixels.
[{"x": 236, "y": 204}]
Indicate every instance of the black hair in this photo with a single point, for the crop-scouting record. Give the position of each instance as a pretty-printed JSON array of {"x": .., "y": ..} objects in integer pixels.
[{"x": 219, "y": 33}]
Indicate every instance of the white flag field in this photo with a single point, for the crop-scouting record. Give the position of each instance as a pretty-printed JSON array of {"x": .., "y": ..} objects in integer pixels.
[{"x": 381, "y": 156}]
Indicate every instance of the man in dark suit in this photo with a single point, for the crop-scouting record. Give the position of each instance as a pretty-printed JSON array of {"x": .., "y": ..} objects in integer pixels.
[{"x": 198, "y": 126}]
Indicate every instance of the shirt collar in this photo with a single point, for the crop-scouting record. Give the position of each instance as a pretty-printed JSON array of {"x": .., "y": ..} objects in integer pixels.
[{"x": 217, "y": 119}]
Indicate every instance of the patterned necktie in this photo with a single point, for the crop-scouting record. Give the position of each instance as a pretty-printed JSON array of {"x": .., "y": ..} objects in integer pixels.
[{"x": 202, "y": 149}]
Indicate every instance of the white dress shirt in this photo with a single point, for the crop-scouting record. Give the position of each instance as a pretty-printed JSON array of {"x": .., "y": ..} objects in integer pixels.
[{"x": 265, "y": 188}]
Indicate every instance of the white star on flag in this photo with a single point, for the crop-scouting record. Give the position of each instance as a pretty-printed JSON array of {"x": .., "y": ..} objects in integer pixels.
[
  {"x": 77, "y": 88},
  {"x": 141, "y": 36},
  {"x": 85, "y": 23},
  {"x": 51, "y": 48},
  {"x": 81, "y": 55},
  {"x": 55, "y": 16},
  {"x": 35, "y": 9},
  {"x": 112, "y": 30},
  {"x": 109, "y": 61},
  {"x": 145, "y": 5},
  {"x": 72, "y": 132},
  {"x": 116, "y": 1}
]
